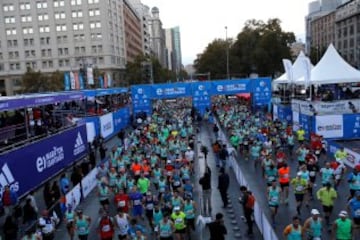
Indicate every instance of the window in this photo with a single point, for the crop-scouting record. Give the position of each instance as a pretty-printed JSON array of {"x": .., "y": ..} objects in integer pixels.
[
  {"x": 43, "y": 17},
  {"x": 44, "y": 29},
  {"x": 25, "y": 6},
  {"x": 11, "y": 31},
  {"x": 93, "y": 49},
  {"x": 94, "y": 12},
  {"x": 75, "y": 2},
  {"x": 77, "y": 14},
  {"x": 49, "y": 52},
  {"x": 60, "y": 15},
  {"x": 66, "y": 51},
  {"x": 60, "y": 51},
  {"x": 45, "y": 40},
  {"x": 27, "y": 54},
  {"x": 12, "y": 66},
  {"x": 31, "y": 41},
  {"x": 8, "y": 7},
  {"x": 78, "y": 26},
  {"x": 60, "y": 27},
  {"x": 9, "y": 19},
  {"x": 93, "y": 1},
  {"x": 82, "y": 49},
  {"x": 61, "y": 63},
  {"x": 44, "y": 64},
  {"x": 43, "y": 52},
  {"x": 95, "y": 25},
  {"x": 67, "y": 62},
  {"x": 26, "y": 18},
  {"x": 28, "y": 30},
  {"x": 77, "y": 50},
  {"x": 101, "y": 60},
  {"x": 40, "y": 5},
  {"x": 51, "y": 64},
  {"x": 59, "y": 3}
]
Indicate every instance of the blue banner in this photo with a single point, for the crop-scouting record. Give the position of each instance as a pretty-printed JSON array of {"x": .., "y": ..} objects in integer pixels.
[
  {"x": 141, "y": 98},
  {"x": 261, "y": 91},
  {"x": 284, "y": 113},
  {"x": 121, "y": 119},
  {"x": 81, "y": 81},
  {"x": 201, "y": 95},
  {"x": 230, "y": 87},
  {"x": 26, "y": 168},
  {"x": 306, "y": 122},
  {"x": 172, "y": 90},
  {"x": 67, "y": 81},
  {"x": 351, "y": 126},
  {"x": 101, "y": 80}
]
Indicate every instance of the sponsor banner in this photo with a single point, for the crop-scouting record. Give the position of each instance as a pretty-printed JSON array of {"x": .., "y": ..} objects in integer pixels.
[
  {"x": 141, "y": 98},
  {"x": 72, "y": 80},
  {"x": 73, "y": 197},
  {"x": 92, "y": 127},
  {"x": 106, "y": 125},
  {"x": 175, "y": 90},
  {"x": 231, "y": 87},
  {"x": 295, "y": 120},
  {"x": 90, "y": 76},
  {"x": 326, "y": 108},
  {"x": 67, "y": 81},
  {"x": 284, "y": 113},
  {"x": 353, "y": 158},
  {"x": 330, "y": 126},
  {"x": 305, "y": 121},
  {"x": 26, "y": 168},
  {"x": 351, "y": 126},
  {"x": 201, "y": 95},
  {"x": 261, "y": 91},
  {"x": 89, "y": 182},
  {"x": 121, "y": 119}
]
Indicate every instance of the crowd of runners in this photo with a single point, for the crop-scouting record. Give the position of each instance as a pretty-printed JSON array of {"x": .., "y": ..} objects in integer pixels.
[{"x": 270, "y": 145}]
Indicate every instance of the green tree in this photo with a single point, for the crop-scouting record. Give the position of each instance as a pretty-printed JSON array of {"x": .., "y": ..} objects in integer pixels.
[
  {"x": 261, "y": 47},
  {"x": 36, "y": 82}
]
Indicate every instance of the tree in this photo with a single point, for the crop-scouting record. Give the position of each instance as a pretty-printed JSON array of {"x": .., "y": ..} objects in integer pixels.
[{"x": 34, "y": 82}]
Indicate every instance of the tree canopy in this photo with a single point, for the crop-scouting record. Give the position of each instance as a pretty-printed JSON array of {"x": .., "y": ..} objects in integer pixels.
[
  {"x": 33, "y": 82},
  {"x": 259, "y": 48}
]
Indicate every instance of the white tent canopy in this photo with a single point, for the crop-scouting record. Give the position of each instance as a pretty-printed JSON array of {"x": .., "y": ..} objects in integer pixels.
[
  {"x": 331, "y": 69},
  {"x": 298, "y": 70}
]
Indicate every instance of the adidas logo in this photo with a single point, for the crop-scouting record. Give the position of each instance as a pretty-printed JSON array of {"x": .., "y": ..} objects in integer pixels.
[
  {"x": 7, "y": 178},
  {"x": 79, "y": 146}
]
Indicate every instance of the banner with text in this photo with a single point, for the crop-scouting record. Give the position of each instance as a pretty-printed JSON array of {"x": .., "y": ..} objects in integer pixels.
[
  {"x": 26, "y": 168},
  {"x": 230, "y": 87},
  {"x": 141, "y": 98},
  {"x": 201, "y": 95},
  {"x": 329, "y": 126},
  {"x": 351, "y": 126},
  {"x": 295, "y": 120},
  {"x": 121, "y": 119},
  {"x": 326, "y": 108},
  {"x": 306, "y": 122},
  {"x": 106, "y": 125},
  {"x": 171, "y": 90},
  {"x": 261, "y": 91}
]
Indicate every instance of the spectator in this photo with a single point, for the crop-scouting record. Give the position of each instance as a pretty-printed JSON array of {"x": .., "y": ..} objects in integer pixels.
[
  {"x": 47, "y": 225},
  {"x": 9, "y": 199},
  {"x": 217, "y": 228},
  {"x": 76, "y": 176},
  {"x": 205, "y": 182},
  {"x": 64, "y": 184},
  {"x": 48, "y": 195},
  {"x": 33, "y": 201},
  {"x": 223, "y": 185},
  {"x": 29, "y": 213},
  {"x": 248, "y": 201},
  {"x": 10, "y": 229}
]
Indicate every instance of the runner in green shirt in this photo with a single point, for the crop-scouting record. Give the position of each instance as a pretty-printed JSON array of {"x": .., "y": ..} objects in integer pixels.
[
  {"x": 179, "y": 222},
  {"x": 342, "y": 227},
  {"x": 300, "y": 185},
  {"x": 143, "y": 184}
]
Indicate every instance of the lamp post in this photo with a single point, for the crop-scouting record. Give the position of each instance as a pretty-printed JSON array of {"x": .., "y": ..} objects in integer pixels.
[{"x": 227, "y": 55}]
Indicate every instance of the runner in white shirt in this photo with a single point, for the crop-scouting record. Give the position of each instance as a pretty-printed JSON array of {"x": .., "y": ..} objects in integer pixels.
[{"x": 122, "y": 224}]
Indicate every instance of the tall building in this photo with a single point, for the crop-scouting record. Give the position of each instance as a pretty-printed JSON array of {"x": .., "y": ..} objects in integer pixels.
[
  {"x": 173, "y": 49},
  {"x": 133, "y": 32},
  {"x": 157, "y": 37},
  {"x": 65, "y": 35}
]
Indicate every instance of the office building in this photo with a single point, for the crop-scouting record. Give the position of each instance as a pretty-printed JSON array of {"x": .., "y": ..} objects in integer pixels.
[
  {"x": 173, "y": 50},
  {"x": 157, "y": 37}
]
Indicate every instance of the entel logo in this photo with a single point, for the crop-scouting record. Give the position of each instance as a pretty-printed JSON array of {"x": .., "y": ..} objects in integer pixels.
[
  {"x": 140, "y": 91},
  {"x": 201, "y": 87},
  {"x": 159, "y": 91},
  {"x": 262, "y": 84},
  {"x": 220, "y": 88}
]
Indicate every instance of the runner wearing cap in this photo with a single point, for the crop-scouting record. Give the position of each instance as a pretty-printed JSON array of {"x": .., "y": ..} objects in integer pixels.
[
  {"x": 342, "y": 227},
  {"x": 354, "y": 209},
  {"x": 299, "y": 184},
  {"x": 179, "y": 222},
  {"x": 313, "y": 226}
]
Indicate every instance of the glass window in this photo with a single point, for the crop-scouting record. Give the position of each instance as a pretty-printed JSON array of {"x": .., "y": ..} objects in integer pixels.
[
  {"x": 59, "y": 3},
  {"x": 25, "y": 6},
  {"x": 93, "y": 1}
]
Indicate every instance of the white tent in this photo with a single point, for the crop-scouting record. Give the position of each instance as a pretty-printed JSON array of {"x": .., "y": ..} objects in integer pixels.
[
  {"x": 298, "y": 70},
  {"x": 331, "y": 69}
]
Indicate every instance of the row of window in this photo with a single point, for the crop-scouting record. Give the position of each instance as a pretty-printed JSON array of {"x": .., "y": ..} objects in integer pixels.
[
  {"x": 58, "y": 28},
  {"x": 44, "y": 4},
  {"x": 50, "y": 63},
  {"x": 57, "y": 15}
]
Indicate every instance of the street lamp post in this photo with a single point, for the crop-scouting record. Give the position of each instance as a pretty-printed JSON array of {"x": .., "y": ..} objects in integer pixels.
[{"x": 227, "y": 55}]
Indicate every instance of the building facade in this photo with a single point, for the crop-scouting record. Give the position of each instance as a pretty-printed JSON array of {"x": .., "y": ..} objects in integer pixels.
[
  {"x": 173, "y": 50},
  {"x": 61, "y": 35},
  {"x": 133, "y": 32},
  {"x": 157, "y": 37}
]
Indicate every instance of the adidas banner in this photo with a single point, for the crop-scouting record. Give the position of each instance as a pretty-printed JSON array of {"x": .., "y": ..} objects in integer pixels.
[{"x": 26, "y": 168}]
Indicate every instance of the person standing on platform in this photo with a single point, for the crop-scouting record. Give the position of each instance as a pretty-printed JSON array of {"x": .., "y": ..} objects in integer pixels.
[
  {"x": 223, "y": 185},
  {"x": 217, "y": 228},
  {"x": 248, "y": 202},
  {"x": 205, "y": 182}
]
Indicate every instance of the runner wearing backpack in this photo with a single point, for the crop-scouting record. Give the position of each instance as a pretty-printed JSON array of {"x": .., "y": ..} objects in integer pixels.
[{"x": 106, "y": 226}]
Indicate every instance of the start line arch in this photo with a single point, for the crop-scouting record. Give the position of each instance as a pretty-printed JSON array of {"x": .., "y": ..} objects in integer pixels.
[{"x": 200, "y": 92}]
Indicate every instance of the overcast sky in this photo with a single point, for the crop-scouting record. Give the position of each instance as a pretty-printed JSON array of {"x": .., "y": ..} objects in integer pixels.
[{"x": 202, "y": 21}]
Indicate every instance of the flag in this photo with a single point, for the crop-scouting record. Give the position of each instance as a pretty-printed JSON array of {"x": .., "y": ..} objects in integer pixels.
[
  {"x": 72, "y": 80},
  {"x": 109, "y": 79},
  {"x": 67, "y": 81},
  {"x": 105, "y": 80},
  {"x": 90, "y": 76},
  {"x": 81, "y": 81},
  {"x": 288, "y": 70},
  {"x": 101, "y": 80},
  {"x": 307, "y": 71},
  {"x": 76, "y": 77}
]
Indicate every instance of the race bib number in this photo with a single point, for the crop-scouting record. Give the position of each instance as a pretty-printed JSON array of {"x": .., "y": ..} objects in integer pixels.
[
  {"x": 82, "y": 230},
  {"x": 150, "y": 206},
  {"x": 178, "y": 221},
  {"x": 312, "y": 173},
  {"x": 274, "y": 199},
  {"x": 137, "y": 172},
  {"x": 137, "y": 202},
  {"x": 357, "y": 213},
  {"x": 122, "y": 204},
  {"x": 286, "y": 176},
  {"x": 106, "y": 228},
  {"x": 177, "y": 183},
  {"x": 299, "y": 188},
  {"x": 317, "y": 152}
]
